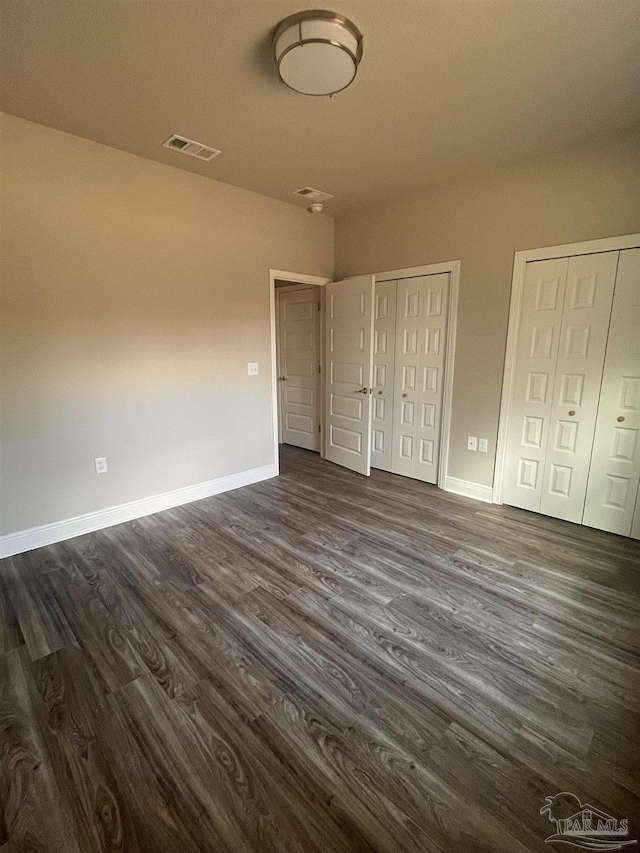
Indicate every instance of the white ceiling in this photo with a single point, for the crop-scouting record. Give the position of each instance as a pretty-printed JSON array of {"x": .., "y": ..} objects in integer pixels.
[{"x": 445, "y": 88}]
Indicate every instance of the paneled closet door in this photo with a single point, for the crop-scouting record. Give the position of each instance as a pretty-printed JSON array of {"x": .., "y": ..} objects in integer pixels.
[
  {"x": 384, "y": 343},
  {"x": 421, "y": 327},
  {"x": 436, "y": 313},
  {"x": 536, "y": 357},
  {"x": 409, "y": 306},
  {"x": 615, "y": 466},
  {"x": 578, "y": 378}
]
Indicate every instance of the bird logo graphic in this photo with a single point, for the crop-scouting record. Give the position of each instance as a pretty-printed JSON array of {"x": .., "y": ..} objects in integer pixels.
[{"x": 583, "y": 825}]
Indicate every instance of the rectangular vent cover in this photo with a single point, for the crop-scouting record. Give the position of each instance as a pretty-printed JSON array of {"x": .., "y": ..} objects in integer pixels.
[
  {"x": 190, "y": 147},
  {"x": 310, "y": 194}
]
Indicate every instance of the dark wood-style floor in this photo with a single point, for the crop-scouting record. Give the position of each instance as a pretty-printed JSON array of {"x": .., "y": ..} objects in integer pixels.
[{"x": 318, "y": 663}]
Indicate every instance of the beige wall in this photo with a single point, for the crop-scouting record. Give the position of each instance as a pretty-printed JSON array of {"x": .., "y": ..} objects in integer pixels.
[
  {"x": 584, "y": 194},
  {"x": 134, "y": 294}
]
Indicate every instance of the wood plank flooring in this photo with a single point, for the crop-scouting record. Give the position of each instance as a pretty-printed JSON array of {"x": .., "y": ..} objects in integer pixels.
[{"x": 318, "y": 662}]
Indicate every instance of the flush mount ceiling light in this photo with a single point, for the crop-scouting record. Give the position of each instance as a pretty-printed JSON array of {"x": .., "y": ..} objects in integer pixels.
[{"x": 317, "y": 52}]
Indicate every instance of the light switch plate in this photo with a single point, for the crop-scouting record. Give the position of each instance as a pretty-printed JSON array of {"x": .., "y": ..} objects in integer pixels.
[
  {"x": 483, "y": 445},
  {"x": 252, "y": 368},
  {"x": 472, "y": 442},
  {"x": 101, "y": 465}
]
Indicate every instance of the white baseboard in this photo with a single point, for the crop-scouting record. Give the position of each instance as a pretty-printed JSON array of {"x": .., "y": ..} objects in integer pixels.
[
  {"x": 469, "y": 489},
  {"x": 47, "y": 534}
]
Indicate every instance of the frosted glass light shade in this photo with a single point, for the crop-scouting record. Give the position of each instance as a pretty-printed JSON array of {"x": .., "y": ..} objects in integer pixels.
[{"x": 317, "y": 52}]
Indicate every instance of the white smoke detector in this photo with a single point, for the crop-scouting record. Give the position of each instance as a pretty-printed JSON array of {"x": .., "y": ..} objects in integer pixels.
[{"x": 316, "y": 208}]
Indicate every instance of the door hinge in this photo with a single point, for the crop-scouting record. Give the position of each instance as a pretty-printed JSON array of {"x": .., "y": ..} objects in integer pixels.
[
  {"x": 319, "y": 369},
  {"x": 318, "y": 306},
  {"x": 319, "y": 428}
]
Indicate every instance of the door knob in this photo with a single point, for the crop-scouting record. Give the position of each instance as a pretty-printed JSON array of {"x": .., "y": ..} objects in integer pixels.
[
  {"x": 282, "y": 378},
  {"x": 571, "y": 413},
  {"x": 404, "y": 395},
  {"x": 620, "y": 419},
  {"x": 362, "y": 391},
  {"x": 379, "y": 392}
]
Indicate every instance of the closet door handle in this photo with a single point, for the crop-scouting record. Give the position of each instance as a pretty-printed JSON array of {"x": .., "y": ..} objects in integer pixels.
[
  {"x": 620, "y": 419},
  {"x": 571, "y": 413},
  {"x": 404, "y": 395}
]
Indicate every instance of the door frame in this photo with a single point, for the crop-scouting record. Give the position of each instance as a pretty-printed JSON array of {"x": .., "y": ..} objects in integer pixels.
[
  {"x": 294, "y": 278},
  {"x": 453, "y": 268},
  {"x": 520, "y": 261}
]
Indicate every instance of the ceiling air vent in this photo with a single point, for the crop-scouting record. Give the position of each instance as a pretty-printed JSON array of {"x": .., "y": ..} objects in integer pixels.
[
  {"x": 190, "y": 147},
  {"x": 310, "y": 194}
]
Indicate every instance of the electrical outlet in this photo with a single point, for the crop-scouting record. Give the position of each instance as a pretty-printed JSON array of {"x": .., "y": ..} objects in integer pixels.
[
  {"x": 101, "y": 465},
  {"x": 252, "y": 368},
  {"x": 483, "y": 445},
  {"x": 472, "y": 442}
]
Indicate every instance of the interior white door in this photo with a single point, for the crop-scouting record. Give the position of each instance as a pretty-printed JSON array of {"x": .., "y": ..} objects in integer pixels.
[
  {"x": 298, "y": 367},
  {"x": 349, "y": 369},
  {"x": 384, "y": 344},
  {"x": 532, "y": 391},
  {"x": 615, "y": 467},
  {"x": 421, "y": 328},
  {"x": 578, "y": 378}
]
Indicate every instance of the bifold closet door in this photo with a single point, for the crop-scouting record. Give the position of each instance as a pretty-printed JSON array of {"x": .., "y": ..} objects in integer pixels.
[
  {"x": 532, "y": 390},
  {"x": 384, "y": 343},
  {"x": 612, "y": 492},
  {"x": 564, "y": 321},
  {"x": 421, "y": 328},
  {"x": 581, "y": 352}
]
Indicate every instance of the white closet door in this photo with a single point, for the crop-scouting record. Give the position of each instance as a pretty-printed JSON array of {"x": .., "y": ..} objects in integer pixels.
[
  {"x": 583, "y": 340},
  {"x": 435, "y": 312},
  {"x": 298, "y": 362},
  {"x": 536, "y": 357},
  {"x": 615, "y": 467},
  {"x": 384, "y": 342},
  {"x": 421, "y": 324},
  {"x": 349, "y": 368}
]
